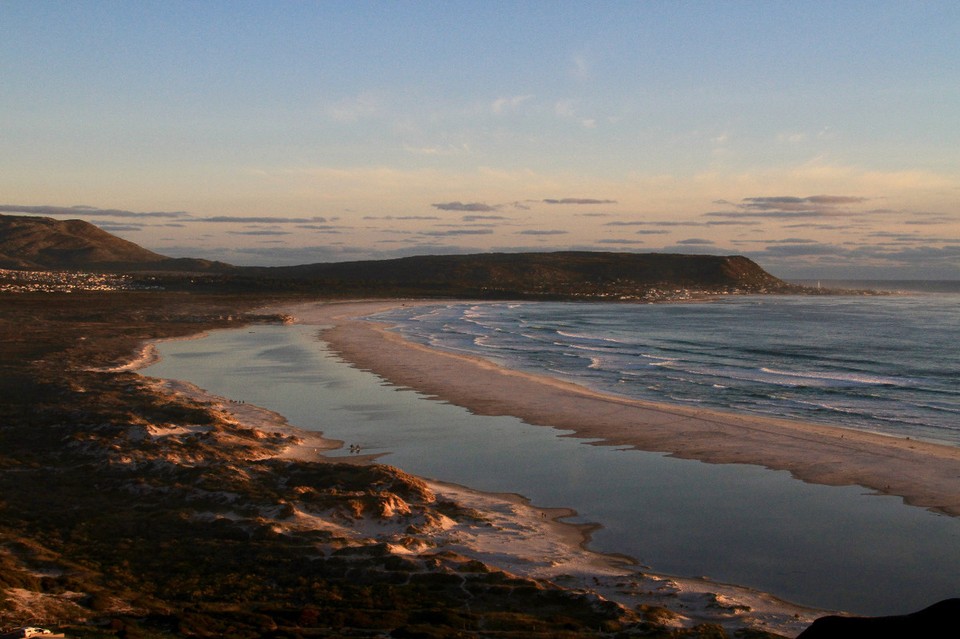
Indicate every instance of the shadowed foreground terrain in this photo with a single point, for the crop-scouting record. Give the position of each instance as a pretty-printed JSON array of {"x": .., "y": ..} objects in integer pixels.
[{"x": 128, "y": 511}]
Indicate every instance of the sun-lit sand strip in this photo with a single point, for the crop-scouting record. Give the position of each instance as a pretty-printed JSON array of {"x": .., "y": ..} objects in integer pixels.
[{"x": 922, "y": 473}]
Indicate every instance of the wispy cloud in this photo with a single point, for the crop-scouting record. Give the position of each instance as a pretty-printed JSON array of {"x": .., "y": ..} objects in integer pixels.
[
  {"x": 932, "y": 219},
  {"x": 627, "y": 223},
  {"x": 402, "y": 217},
  {"x": 657, "y": 223},
  {"x": 260, "y": 232},
  {"x": 88, "y": 211},
  {"x": 322, "y": 228},
  {"x": 355, "y": 108},
  {"x": 460, "y": 206},
  {"x": 568, "y": 110},
  {"x": 439, "y": 151},
  {"x": 791, "y": 137},
  {"x": 788, "y": 206},
  {"x": 580, "y": 66},
  {"x": 787, "y": 202},
  {"x": 806, "y": 248},
  {"x": 456, "y": 232},
  {"x": 790, "y": 240},
  {"x": 577, "y": 200},
  {"x": 484, "y": 218},
  {"x": 121, "y": 227},
  {"x": 819, "y": 226},
  {"x": 764, "y": 214},
  {"x": 899, "y": 258},
  {"x": 231, "y": 219},
  {"x": 507, "y": 104},
  {"x": 542, "y": 232},
  {"x": 740, "y": 222},
  {"x": 621, "y": 242}
]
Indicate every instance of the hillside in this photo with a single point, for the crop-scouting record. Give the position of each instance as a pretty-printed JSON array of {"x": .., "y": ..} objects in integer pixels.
[
  {"x": 46, "y": 244},
  {"x": 580, "y": 274}
]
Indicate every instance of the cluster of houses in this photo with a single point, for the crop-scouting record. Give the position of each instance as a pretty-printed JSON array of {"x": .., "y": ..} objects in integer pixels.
[{"x": 12, "y": 281}]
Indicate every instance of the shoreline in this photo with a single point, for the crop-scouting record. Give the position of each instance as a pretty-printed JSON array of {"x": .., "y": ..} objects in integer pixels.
[
  {"x": 922, "y": 473},
  {"x": 523, "y": 539}
]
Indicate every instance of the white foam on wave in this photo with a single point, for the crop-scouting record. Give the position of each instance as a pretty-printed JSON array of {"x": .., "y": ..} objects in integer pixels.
[
  {"x": 591, "y": 338},
  {"x": 580, "y": 347},
  {"x": 658, "y": 357},
  {"x": 669, "y": 363},
  {"x": 855, "y": 378},
  {"x": 849, "y": 385},
  {"x": 935, "y": 406}
]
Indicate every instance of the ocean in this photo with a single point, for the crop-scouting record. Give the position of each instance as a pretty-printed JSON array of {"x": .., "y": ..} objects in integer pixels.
[
  {"x": 823, "y": 546},
  {"x": 887, "y": 364}
]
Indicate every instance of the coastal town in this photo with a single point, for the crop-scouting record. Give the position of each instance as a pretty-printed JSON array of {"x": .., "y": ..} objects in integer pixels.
[{"x": 12, "y": 281}]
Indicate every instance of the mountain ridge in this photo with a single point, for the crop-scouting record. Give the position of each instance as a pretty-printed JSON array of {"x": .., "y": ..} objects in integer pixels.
[
  {"x": 546, "y": 274},
  {"x": 37, "y": 243}
]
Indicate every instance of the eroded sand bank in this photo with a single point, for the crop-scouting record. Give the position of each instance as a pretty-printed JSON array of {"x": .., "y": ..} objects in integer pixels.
[{"x": 922, "y": 473}]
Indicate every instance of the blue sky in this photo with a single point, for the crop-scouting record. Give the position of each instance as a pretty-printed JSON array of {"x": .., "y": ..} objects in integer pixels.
[{"x": 820, "y": 138}]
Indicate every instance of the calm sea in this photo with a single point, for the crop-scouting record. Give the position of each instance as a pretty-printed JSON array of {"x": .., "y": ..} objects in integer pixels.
[
  {"x": 888, "y": 364},
  {"x": 829, "y": 547}
]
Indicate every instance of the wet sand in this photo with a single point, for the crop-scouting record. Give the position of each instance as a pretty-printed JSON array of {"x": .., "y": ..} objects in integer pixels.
[{"x": 922, "y": 473}]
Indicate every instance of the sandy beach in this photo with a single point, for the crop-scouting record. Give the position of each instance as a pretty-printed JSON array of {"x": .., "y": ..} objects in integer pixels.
[
  {"x": 924, "y": 474},
  {"x": 527, "y": 540},
  {"x": 513, "y": 534}
]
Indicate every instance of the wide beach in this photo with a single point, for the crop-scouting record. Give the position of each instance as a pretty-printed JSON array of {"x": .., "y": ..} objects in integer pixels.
[
  {"x": 738, "y": 524},
  {"x": 924, "y": 474},
  {"x": 512, "y": 533}
]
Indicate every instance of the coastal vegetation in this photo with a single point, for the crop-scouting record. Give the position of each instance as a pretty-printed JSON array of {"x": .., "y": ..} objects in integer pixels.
[{"x": 129, "y": 510}]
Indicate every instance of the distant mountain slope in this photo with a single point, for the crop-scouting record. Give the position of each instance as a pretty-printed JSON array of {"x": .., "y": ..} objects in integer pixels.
[
  {"x": 43, "y": 243},
  {"x": 38, "y": 243},
  {"x": 569, "y": 273}
]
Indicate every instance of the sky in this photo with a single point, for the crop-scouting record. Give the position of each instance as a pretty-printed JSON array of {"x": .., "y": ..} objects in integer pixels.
[{"x": 821, "y": 139}]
